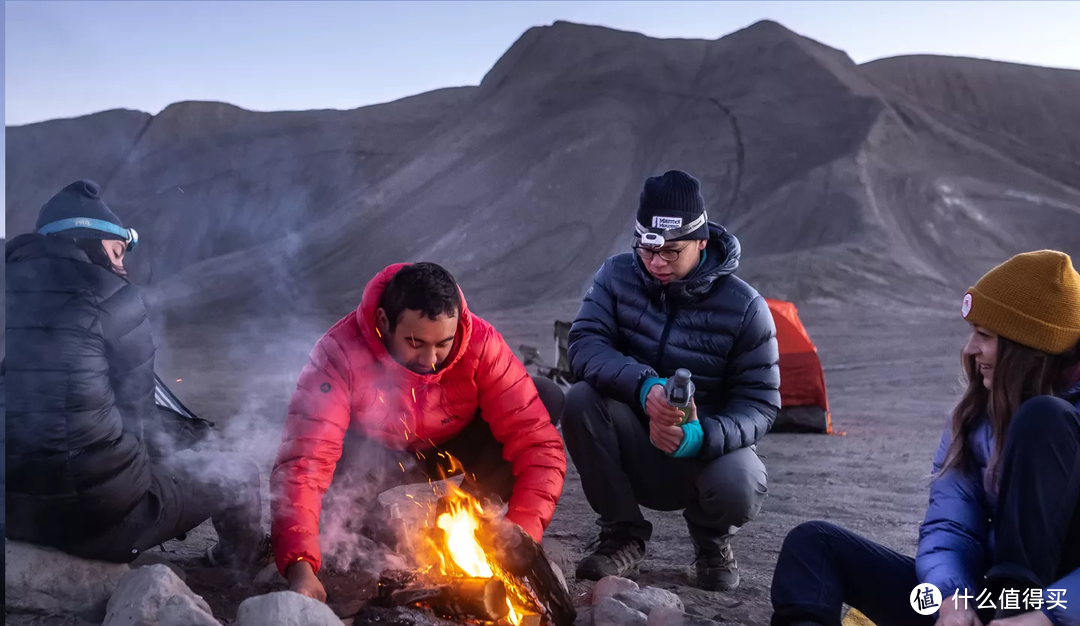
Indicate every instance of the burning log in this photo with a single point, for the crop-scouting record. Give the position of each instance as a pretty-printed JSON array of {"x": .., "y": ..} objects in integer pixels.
[
  {"x": 520, "y": 555},
  {"x": 481, "y": 598}
]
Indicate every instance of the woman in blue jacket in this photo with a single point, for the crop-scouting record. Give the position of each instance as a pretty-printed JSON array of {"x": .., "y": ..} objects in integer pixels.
[{"x": 1001, "y": 537}]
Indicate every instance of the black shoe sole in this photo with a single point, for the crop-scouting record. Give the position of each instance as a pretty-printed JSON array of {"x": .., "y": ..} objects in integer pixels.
[{"x": 595, "y": 576}]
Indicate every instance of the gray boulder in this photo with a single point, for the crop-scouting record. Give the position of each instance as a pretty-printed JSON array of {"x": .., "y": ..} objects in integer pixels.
[
  {"x": 285, "y": 608},
  {"x": 45, "y": 581},
  {"x": 674, "y": 617},
  {"x": 584, "y": 616},
  {"x": 144, "y": 592},
  {"x": 185, "y": 611},
  {"x": 611, "y": 612},
  {"x": 611, "y": 586},
  {"x": 649, "y": 598}
]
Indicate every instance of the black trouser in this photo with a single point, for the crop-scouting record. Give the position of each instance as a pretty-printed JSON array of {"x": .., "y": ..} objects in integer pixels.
[
  {"x": 187, "y": 489},
  {"x": 1037, "y": 536},
  {"x": 621, "y": 470},
  {"x": 367, "y": 468}
]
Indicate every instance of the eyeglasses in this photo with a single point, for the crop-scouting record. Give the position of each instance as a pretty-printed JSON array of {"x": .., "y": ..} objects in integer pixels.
[{"x": 669, "y": 255}]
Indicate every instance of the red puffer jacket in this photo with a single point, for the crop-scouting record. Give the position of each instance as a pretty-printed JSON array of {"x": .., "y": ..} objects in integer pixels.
[{"x": 351, "y": 381}]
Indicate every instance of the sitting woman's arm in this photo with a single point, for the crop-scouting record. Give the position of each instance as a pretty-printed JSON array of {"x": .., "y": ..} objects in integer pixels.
[{"x": 952, "y": 551}]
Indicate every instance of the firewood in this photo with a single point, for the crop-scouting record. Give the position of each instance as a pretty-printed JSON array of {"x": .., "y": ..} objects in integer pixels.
[
  {"x": 519, "y": 554},
  {"x": 457, "y": 598}
]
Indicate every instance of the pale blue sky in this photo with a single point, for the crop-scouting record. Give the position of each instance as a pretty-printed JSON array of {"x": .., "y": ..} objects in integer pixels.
[{"x": 64, "y": 59}]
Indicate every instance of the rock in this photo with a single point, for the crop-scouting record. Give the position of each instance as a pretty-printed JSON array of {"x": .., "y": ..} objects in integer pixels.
[
  {"x": 46, "y": 581},
  {"x": 285, "y": 608},
  {"x": 184, "y": 611},
  {"x": 269, "y": 576},
  {"x": 610, "y": 586},
  {"x": 144, "y": 592},
  {"x": 150, "y": 558},
  {"x": 584, "y": 616},
  {"x": 610, "y": 612},
  {"x": 649, "y": 598},
  {"x": 559, "y": 575},
  {"x": 558, "y": 554},
  {"x": 673, "y": 617}
]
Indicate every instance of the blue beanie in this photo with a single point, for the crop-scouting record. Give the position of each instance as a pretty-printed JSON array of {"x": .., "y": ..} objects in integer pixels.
[{"x": 79, "y": 199}]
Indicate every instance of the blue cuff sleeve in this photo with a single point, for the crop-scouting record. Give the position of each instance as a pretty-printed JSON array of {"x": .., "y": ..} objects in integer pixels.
[
  {"x": 647, "y": 385},
  {"x": 692, "y": 438}
]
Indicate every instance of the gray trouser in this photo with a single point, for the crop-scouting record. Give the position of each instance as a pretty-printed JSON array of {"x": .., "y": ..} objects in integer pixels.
[{"x": 621, "y": 470}]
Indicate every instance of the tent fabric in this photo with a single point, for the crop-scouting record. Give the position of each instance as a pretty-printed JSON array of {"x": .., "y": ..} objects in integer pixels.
[
  {"x": 184, "y": 427},
  {"x": 802, "y": 380},
  {"x": 164, "y": 398}
]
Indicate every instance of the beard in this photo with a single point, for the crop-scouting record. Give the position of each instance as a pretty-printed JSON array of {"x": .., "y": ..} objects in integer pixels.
[{"x": 421, "y": 368}]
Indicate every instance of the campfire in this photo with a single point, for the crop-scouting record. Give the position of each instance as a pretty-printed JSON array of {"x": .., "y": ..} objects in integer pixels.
[{"x": 471, "y": 571}]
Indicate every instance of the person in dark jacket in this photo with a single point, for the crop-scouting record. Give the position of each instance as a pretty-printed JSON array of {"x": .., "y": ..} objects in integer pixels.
[
  {"x": 84, "y": 468},
  {"x": 1001, "y": 537},
  {"x": 674, "y": 302}
]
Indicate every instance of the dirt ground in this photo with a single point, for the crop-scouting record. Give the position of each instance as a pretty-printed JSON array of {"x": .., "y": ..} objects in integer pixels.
[{"x": 891, "y": 377}]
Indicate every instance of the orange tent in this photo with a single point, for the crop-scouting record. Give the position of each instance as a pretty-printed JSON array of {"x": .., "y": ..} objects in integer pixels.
[{"x": 802, "y": 380}]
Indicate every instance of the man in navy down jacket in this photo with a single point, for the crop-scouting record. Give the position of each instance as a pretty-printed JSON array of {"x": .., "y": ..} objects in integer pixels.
[{"x": 674, "y": 302}]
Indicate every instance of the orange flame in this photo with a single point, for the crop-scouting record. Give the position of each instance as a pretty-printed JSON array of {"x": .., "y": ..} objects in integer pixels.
[
  {"x": 460, "y": 525},
  {"x": 179, "y": 380}
]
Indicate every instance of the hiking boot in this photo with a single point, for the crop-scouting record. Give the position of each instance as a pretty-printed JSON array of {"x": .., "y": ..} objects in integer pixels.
[
  {"x": 618, "y": 555},
  {"x": 717, "y": 569}
]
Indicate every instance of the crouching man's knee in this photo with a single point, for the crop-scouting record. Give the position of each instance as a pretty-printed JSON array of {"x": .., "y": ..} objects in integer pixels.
[
  {"x": 551, "y": 396},
  {"x": 733, "y": 487},
  {"x": 582, "y": 403}
]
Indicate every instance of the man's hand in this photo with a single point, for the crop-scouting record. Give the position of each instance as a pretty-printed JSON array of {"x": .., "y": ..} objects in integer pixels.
[
  {"x": 658, "y": 409},
  {"x": 963, "y": 616},
  {"x": 1031, "y": 618},
  {"x": 667, "y": 438},
  {"x": 302, "y": 580}
]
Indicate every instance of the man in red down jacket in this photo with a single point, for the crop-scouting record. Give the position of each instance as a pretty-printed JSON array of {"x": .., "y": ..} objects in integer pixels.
[{"x": 391, "y": 391}]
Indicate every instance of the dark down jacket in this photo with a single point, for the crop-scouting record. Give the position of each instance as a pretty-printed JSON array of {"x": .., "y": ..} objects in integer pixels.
[
  {"x": 79, "y": 376},
  {"x": 631, "y": 328}
]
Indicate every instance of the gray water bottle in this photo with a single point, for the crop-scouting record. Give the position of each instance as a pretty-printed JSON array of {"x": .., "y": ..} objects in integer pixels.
[{"x": 679, "y": 389}]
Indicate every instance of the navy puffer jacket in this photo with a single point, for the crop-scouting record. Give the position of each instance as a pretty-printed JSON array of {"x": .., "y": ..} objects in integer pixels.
[
  {"x": 631, "y": 328},
  {"x": 80, "y": 382}
]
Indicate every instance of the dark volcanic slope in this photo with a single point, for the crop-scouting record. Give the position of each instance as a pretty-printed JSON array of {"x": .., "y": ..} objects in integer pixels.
[
  {"x": 890, "y": 182},
  {"x": 204, "y": 179},
  {"x": 1027, "y": 113},
  {"x": 44, "y": 157}
]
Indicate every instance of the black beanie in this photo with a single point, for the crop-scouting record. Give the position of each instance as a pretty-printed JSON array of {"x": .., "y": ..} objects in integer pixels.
[
  {"x": 79, "y": 199},
  {"x": 670, "y": 202}
]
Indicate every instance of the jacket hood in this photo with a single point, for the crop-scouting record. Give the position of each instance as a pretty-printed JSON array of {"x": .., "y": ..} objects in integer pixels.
[
  {"x": 723, "y": 253},
  {"x": 367, "y": 318}
]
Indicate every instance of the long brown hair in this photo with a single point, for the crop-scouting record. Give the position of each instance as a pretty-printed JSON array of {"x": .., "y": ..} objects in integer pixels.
[{"x": 1020, "y": 373}]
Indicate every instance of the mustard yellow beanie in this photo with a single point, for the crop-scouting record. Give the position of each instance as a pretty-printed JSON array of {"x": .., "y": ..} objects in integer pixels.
[{"x": 1032, "y": 299}]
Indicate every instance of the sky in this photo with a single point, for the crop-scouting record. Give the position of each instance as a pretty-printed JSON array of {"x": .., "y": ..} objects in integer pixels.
[{"x": 64, "y": 59}]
